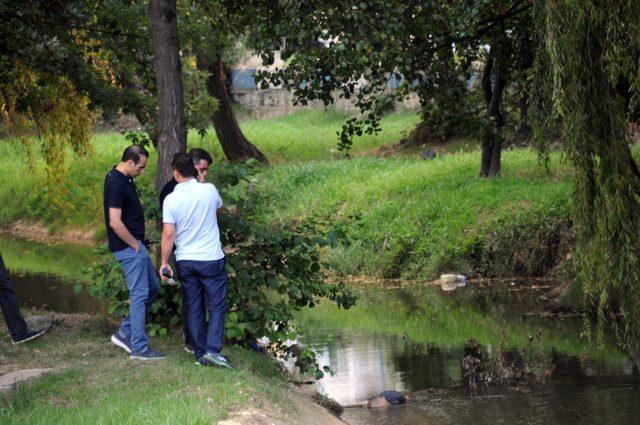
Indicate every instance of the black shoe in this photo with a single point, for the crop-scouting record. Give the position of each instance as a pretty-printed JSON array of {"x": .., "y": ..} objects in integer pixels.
[
  {"x": 30, "y": 335},
  {"x": 147, "y": 354},
  {"x": 119, "y": 341}
]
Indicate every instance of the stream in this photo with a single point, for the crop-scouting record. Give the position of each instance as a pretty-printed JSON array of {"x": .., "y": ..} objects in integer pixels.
[
  {"x": 412, "y": 338},
  {"x": 409, "y": 338}
]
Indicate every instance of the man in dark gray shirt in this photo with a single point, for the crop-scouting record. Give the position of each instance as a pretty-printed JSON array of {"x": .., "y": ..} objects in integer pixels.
[{"x": 124, "y": 219}]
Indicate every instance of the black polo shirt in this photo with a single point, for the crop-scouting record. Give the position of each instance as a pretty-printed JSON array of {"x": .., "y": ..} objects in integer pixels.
[
  {"x": 166, "y": 190},
  {"x": 121, "y": 192}
]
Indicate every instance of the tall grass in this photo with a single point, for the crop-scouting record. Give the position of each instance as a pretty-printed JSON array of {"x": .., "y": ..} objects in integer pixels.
[
  {"x": 418, "y": 218},
  {"x": 299, "y": 137},
  {"x": 415, "y": 215}
]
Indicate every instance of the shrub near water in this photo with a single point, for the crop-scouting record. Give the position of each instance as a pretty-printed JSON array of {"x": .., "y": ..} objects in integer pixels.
[
  {"x": 273, "y": 272},
  {"x": 420, "y": 218}
]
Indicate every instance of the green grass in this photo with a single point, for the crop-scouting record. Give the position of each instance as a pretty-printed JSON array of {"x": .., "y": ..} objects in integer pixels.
[
  {"x": 100, "y": 384},
  {"x": 417, "y": 217},
  {"x": 312, "y": 135},
  {"x": 299, "y": 137}
]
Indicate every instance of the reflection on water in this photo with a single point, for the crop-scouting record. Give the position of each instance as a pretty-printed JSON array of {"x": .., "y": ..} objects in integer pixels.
[
  {"x": 586, "y": 391},
  {"x": 412, "y": 339},
  {"x": 55, "y": 259},
  {"x": 44, "y": 275},
  {"x": 52, "y": 292},
  {"x": 364, "y": 365},
  {"x": 408, "y": 339},
  {"x": 613, "y": 402}
]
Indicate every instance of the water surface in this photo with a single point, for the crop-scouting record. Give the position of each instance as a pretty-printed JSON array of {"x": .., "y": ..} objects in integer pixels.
[
  {"x": 44, "y": 275},
  {"x": 412, "y": 339}
]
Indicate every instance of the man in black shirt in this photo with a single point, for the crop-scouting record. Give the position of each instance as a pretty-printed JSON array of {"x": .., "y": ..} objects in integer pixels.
[
  {"x": 124, "y": 219},
  {"x": 201, "y": 162}
]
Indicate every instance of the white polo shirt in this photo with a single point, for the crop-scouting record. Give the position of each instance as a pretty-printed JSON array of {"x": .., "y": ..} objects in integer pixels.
[{"x": 192, "y": 208}]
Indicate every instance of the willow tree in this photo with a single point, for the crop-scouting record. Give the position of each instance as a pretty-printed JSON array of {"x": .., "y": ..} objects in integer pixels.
[
  {"x": 593, "y": 48},
  {"x": 53, "y": 80}
]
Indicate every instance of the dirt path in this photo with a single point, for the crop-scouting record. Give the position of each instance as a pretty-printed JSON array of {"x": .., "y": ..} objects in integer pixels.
[
  {"x": 38, "y": 231},
  {"x": 303, "y": 411}
]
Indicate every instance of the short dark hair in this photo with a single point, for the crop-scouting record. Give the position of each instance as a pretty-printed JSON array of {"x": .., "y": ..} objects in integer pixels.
[
  {"x": 198, "y": 155},
  {"x": 134, "y": 152},
  {"x": 183, "y": 164}
]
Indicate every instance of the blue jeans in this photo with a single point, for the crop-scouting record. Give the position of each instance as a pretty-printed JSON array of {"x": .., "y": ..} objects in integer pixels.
[
  {"x": 143, "y": 285},
  {"x": 205, "y": 283}
]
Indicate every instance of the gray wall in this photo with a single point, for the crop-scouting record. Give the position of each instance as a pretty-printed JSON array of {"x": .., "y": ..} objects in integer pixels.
[{"x": 271, "y": 103}]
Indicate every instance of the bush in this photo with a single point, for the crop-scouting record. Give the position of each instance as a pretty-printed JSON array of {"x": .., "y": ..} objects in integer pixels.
[{"x": 273, "y": 271}]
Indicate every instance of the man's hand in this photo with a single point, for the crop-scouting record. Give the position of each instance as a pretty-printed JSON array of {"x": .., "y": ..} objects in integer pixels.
[
  {"x": 165, "y": 272},
  {"x": 115, "y": 221},
  {"x": 168, "y": 236}
]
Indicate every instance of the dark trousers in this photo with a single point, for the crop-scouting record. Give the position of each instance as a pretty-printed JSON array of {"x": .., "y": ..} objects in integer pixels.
[
  {"x": 188, "y": 338},
  {"x": 9, "y": 305},
  {"x": 204, "y": 284}
]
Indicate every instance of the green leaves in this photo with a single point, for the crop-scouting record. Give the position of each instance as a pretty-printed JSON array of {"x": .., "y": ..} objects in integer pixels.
[{"x": 273, "y": 271}]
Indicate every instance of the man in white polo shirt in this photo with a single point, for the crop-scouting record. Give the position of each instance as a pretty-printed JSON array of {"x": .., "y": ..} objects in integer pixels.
[{"x": 190, "y": 217}]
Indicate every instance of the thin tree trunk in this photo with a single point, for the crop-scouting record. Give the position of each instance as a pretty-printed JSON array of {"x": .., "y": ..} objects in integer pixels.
[
  {"x": 496, "y": 155},
  {"x": 492, "y": 145},
  {"x": 486, "y": 81},
  {"x": 172, "y": 127},
  {"x": 524, "y": 129},
  {"x": 235, "y": 145}
]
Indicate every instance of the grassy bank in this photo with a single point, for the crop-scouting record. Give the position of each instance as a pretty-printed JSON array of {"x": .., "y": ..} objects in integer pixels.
[
  {"x": 98, "y": 383},
  {"x": 420, "y": 218},
  {"x": 295, "y": 138}
]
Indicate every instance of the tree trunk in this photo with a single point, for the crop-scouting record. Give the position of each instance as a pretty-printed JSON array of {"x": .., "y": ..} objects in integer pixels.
[
  {"x": 419, "y": 136},
  {"x": 486, "y": 81},
  {"x": 172, "y": 126},
  {"x": 524, "y": 129},
  {"x": 235, "y": 146},
  {"x": 492, "y": 145}
]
